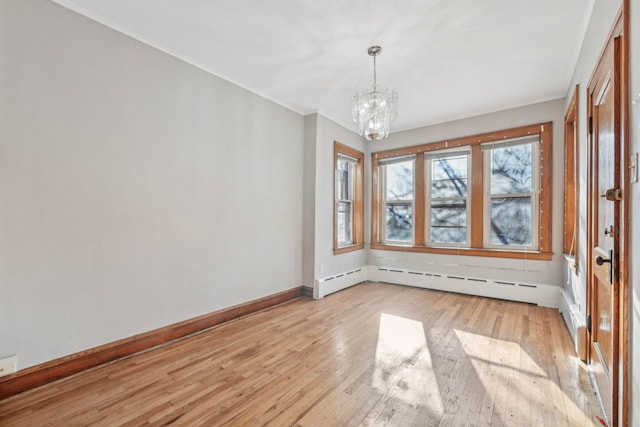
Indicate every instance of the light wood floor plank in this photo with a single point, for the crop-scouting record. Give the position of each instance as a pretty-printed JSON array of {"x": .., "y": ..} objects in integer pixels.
[{"x": 374, "y": 354}]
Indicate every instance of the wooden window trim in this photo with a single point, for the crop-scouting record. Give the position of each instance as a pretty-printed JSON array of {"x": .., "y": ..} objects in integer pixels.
[
  {"x": 477, "y": 204},
  {"x": 358, "y": 201},
  {"x": 544, "y": 252},
  {"x": 493, "y": 253},
  {"x": 570, "y": 235}
]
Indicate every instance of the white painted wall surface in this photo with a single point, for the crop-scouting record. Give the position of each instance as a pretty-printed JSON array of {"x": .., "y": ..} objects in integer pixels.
[
  {"x": 135, "y": 190},
  {"x": 541, "y": 272},
  {"x": 328, "y": 132},
  {"x": 309, "y": 202}
]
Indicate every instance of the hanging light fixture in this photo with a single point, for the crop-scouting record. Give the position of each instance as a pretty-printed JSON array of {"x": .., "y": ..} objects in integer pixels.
[{"x": 374, "y": 110}]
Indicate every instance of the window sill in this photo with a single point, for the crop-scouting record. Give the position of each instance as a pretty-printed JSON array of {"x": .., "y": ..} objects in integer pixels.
[
  {"x": 493, "y": 253},
  {"x": 350, "y": 248}
]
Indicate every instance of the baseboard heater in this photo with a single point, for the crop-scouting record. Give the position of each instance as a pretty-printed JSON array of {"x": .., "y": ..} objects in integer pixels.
[
  {"x": 337, "y": 282},
  {"x": 575, "y": 322},
  {"x": 543, "y": 295}
]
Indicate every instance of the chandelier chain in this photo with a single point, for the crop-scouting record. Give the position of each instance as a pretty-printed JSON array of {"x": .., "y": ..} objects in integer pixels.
[{"x": 375, "y": 89}]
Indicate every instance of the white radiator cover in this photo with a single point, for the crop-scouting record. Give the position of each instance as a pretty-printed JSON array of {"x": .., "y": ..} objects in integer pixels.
[
  {"x": 337, "y": 282},
  {"x": 572, "y": 317},
  {"x": 543, "y": 295}
]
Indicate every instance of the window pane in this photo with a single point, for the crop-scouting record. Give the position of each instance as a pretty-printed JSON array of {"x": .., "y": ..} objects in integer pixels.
[
  {"x": 449, "y": 177},
  {"x": 511, "y": 221},
  {"x": 345, "y": 179},
  {"x": 511, "y": 169},
  {"x": 399, "y": 223},
  {"x": 449, "y": 221},
  {"x": 344, "y": 223},
  {"x": 399, "y": 181}
]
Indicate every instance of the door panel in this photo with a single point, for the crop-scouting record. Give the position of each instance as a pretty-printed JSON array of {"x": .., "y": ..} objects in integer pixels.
[{"x": 604, "y": 108}]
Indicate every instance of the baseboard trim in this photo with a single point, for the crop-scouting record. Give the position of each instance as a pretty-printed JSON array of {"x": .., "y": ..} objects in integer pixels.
[
  {"x": 53, "y": 370},
  {"x": 307, "y": 291}
]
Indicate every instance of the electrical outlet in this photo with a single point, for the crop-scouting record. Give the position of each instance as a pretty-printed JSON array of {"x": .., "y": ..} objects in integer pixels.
[
  {"x": 321, "y": 268},
  {"x": 8, "y": 365}
]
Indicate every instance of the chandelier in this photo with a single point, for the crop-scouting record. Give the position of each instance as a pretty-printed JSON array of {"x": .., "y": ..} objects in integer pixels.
[{"x": 374, "y": 110}]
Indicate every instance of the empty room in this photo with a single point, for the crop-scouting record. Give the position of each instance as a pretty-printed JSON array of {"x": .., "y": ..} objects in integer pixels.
[{"x": 319, "y": 213}]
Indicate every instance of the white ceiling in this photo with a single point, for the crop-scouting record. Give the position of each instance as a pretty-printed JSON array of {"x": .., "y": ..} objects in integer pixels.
[{"x": 447, "y": 59}]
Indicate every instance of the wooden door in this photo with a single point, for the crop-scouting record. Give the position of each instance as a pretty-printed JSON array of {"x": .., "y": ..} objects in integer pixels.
[{"x": 605, "y": 195}]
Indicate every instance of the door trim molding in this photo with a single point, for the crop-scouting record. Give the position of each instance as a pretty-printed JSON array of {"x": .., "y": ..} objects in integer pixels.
[{"x": 620, "y": 30}]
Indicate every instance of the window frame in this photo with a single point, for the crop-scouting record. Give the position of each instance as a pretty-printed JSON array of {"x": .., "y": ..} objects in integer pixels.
[
  {"x": 350, "y": 195},
  {"x": 477, "y": 180},
  {"x": 357, "y": 208},
  {"x": 570, "y": 215},
  {"x": 384, "y": 203},
  {"x": 533, "y": 194},
  {"x": 433, "y": 155}
]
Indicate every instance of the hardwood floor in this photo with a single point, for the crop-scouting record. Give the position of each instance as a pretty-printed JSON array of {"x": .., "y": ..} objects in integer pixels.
[{"x": 373, "y": 354}]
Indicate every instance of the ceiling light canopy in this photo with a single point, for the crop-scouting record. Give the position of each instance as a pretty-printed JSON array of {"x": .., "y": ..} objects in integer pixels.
[{"x": 375, "y": 109}]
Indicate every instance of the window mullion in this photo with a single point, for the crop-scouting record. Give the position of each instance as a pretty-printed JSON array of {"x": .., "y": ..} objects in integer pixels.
[{"x": 477, "y": 197}]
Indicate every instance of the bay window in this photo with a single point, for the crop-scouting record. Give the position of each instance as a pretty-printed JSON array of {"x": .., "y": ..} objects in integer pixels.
[{"x": 482, "y": 195}]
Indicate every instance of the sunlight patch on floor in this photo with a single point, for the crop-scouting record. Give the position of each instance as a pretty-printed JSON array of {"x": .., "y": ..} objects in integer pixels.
[
  {"x": 403, "y": 366},
  {"x": 498, "y": 363}
]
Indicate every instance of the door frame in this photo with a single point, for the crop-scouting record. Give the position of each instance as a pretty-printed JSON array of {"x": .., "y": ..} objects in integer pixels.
[{"x": 618, "y": 34}]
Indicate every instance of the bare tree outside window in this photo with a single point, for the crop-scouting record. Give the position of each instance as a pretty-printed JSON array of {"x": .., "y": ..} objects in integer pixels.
[
  {"x": 345, "y": 171},
  {"x": 448, "y": 199},
  {"x": 511, "y": 191},
  {"x": 398, "y": 194},
  {"x": 488, "y": 194}
]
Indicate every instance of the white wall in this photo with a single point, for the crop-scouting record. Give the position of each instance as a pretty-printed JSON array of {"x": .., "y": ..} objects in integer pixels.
[
  {"x": 538, "y": 272},
  {"x": 635, "y": 214},
  {"x": 309, "y": 208},
  {"x": 326, "y": 263},
  {"x": 135, "y": 190}
]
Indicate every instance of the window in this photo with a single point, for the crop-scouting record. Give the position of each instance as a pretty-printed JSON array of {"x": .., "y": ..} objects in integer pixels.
[
  {"x": 448, "y": 198},
  {"x": 398, "y": 199},
  {"x": 349, "y": 191},
  {"x": 345, "y": 181},
  {"x": 511, "y": 220},
  {"x": 483, "y": 195}
]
